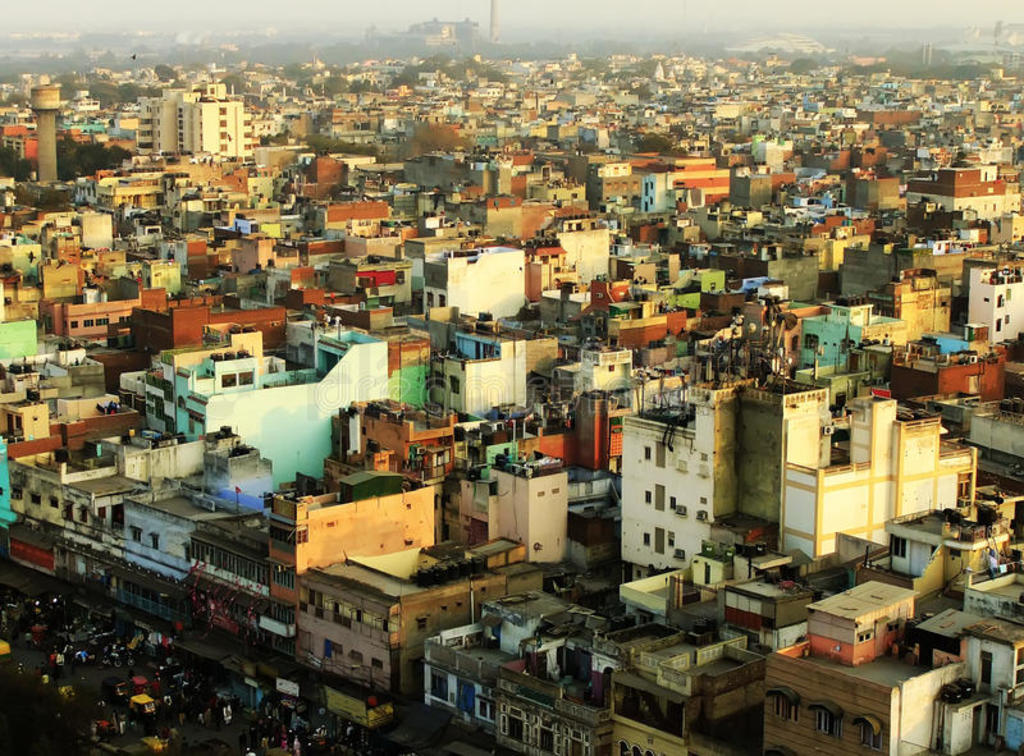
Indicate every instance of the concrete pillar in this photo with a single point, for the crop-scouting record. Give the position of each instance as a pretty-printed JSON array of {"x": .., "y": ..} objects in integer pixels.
[{"x": 46, "y": 105}]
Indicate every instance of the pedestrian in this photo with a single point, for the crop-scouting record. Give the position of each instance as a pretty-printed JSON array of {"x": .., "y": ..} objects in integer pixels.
[{"x": 226, "y": 712}]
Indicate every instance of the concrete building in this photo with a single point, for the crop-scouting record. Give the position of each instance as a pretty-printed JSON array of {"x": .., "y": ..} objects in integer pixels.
[
  {"x": 920, "y": 299},
  {"x": 895, "y": 464},
  {"x": 286, "y": 414},
  {"x": 489, "y": 280},
  {"x": 996, "y": 300},
  {"x": 979, "y": 190},
  {"x": 719, "y": 455},
  {"x": 692, "y": 692},
  {"x": 367, "y": 619},
  {"x": 843, "y": 690},
  {"x": 828, "y": 339},
  {"x": 532, "y": 507},
  {"x": 482, "y": 372},
  {"x": 203, "y": 120}
]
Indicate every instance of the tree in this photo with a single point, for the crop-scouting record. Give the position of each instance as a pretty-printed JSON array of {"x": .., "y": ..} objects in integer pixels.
[
  {"x": 436, "y": 137},
  {"x": 164, "y": 72},
  {"x": 802, "y": 66},
  {"x": 74, "y": 159},
  {"x": 658, "y": 143},
  {"x": 13, "y": 166}
]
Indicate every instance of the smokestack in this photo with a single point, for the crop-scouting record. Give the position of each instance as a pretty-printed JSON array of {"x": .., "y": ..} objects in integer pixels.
[
  {"x": 46, "y": 105},
  {"x": 494, "y": 20}
]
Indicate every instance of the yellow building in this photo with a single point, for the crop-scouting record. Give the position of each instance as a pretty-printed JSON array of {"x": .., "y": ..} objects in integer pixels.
[{"x": 893, "y": 465}]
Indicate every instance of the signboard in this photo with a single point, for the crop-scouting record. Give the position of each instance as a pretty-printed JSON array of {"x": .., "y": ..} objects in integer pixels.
[
  {"x": 355, "y": 709},
  {"x": 287, "y": 687},
  {"x": 882, "y": 393}
]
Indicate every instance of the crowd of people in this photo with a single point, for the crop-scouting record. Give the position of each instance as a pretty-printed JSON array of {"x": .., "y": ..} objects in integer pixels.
[{"x": 190, "y": 703}]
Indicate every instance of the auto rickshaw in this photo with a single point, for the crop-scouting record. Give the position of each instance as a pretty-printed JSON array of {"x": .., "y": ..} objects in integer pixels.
[
  {"x": 5, "y": 652},
  {"x": 139, "y": 685},
  {"x": 67, "y": 692},
  {"x": 115, "y": 690},
  {"x": 155, "y": 744},
  {"x": 143, "y": 704}
]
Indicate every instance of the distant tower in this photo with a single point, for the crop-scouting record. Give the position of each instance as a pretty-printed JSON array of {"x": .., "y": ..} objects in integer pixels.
[
  {"x": 46, "y": 104},
  {"x": 494, "y": 20}
]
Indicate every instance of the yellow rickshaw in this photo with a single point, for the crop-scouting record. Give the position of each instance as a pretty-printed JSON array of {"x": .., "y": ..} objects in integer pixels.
[
  {"x": 155, "y": 744},
  {"x": 142, "y": 704},
  {"x": 5, "y": 652},
  {"x": 67, "y": 692}
]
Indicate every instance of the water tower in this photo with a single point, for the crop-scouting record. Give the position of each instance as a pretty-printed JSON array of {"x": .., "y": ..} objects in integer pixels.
[{"x": 46, "y": 105}]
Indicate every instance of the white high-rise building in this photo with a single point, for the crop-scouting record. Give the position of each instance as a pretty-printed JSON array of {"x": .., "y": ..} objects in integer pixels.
[{"x": 203, "y": 120}]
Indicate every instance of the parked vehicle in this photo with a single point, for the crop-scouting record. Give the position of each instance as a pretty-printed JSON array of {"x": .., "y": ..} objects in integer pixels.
[{"x": 115, "y": 690}]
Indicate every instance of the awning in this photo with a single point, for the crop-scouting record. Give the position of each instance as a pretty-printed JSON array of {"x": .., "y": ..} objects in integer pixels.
[
  {"x": 871, "y": 721},
  {"x": 830, "y": 706},
  {"x": 788, "y": 693},
  {"x": 203, "y": 649},
  {"x": 30, "y": 582}
]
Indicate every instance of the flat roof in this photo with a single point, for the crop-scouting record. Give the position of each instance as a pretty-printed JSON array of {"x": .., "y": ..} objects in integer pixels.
[
  {"x": 862, "y": 599},
  {"x": 949, "y": 624}
]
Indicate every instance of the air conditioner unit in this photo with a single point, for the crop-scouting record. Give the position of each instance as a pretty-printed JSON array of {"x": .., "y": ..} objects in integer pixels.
[
  {"x": 679, "y": 553},
  {"x": 681, "y": 511},
  {"x": 973, "y": 359},
  {"x": 702, "y": 515}
]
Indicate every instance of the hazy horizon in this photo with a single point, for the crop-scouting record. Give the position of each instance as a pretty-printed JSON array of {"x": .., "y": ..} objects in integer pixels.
[{"x": 517, "y": 17}]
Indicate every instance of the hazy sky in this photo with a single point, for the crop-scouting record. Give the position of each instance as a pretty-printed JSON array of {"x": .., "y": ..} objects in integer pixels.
[{"x": 350, "y": 18}]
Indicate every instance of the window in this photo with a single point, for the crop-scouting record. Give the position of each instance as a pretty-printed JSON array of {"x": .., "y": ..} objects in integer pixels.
[
  {"x": 245, "y": 379},
  {"x": 869, "y": 738},
  {"x": 229, "y": 380},
  {"x": 810, "y": 341},
  {"x": 73, "y": 324},
  {"x": 671, "y": 502},
  {"x": 647, "y": 539},
  {"x": 284, "y": 577},
  {"x": 485, "y": 708},
  {"x": 671, "y": 539},
  {"x": 328, "y": 648},
  {"x": 421, "y": 623},
  {"x": 784, "y": 708},
  {"x": 659, "y": 457},
  {"x": 659, "y": 497},
  {"x": 102, "y": 321},
  {"x": 647, "y": 497},
  {"x": 453, "y": 384},
  {"x": 439, "y": 685},
  {"x": 647, "y": 452},
  {"x": 376, "y": 663},
  {"x": 515, "y": 728},
  {"x": 154, "y": 539},
  {"x": 865, "y": 636},
  {"x": 137, "y": 534},
  {"x": 986, "y": 668},
  {"x": 547, "y": 740},
  {"x": 827, "y": 723},
  {"x": 898, "y": 547},
  {"x": 88, "y": 323},
  {"x": 301, "y": 535},
  {"x": 35, "y": 498},
  {"x": 53, "y": 502}
]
